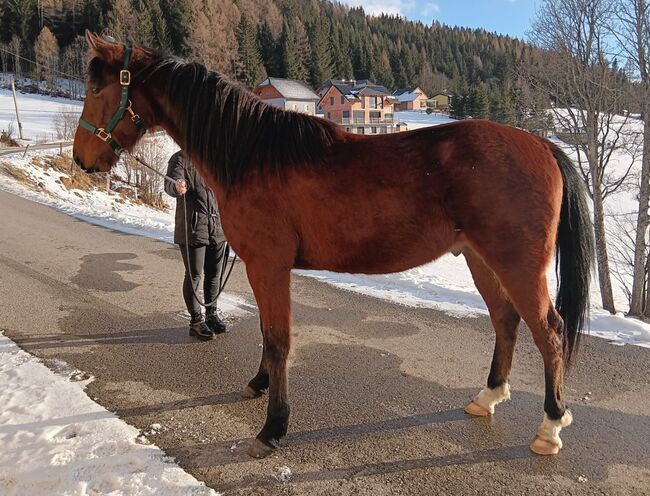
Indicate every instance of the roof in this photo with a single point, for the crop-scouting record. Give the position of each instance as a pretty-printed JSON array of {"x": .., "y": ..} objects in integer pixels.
[
  {"x": 291, "y": 89},
  {"x": 402, "y": 91},
  {"x": 408, "y": 94},
  {"x": 351, "y": 92}
]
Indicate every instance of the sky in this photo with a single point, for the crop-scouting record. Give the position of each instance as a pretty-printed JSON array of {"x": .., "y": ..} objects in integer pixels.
[{"x": 512, "y": 17}]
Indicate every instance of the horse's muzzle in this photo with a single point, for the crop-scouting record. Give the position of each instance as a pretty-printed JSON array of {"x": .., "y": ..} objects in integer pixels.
[{"x": 91, "y": 170}]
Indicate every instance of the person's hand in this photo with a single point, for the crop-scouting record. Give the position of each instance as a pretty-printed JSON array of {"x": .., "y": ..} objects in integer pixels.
[{"x": 181, "y": 187}]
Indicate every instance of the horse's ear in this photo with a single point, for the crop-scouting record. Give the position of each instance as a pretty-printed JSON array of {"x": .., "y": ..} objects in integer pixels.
[{"x": 103, "y": 49}]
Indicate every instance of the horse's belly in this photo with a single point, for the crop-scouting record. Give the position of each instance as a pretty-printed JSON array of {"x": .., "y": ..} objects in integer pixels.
[{"x": 383, "y": 254}]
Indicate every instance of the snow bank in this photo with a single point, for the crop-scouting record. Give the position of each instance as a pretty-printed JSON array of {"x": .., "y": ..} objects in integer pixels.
[{"x": 56, "y": 441}]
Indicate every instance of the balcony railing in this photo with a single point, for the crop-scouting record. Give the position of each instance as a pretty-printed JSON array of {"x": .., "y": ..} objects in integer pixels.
[{"x": 363, "y": 120}]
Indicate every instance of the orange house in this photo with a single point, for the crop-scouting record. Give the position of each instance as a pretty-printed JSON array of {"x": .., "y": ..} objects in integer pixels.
[
  {"x": 359, "y": 108},
  {"x": 413, "y": 98}
]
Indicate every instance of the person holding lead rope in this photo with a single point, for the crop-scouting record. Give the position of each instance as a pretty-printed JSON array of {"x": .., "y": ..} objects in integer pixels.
[{"x": 202, "y": 243}]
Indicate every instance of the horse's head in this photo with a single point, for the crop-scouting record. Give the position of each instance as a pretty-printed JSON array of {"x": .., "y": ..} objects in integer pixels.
[{"x": 116, "y": 110}]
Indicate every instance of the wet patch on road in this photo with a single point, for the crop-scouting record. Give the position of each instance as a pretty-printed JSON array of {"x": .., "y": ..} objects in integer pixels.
[{"x": 101, "y": 272}]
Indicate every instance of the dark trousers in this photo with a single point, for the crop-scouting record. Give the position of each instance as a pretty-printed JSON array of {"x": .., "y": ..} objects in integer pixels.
[{"x": 202, "y": 259}]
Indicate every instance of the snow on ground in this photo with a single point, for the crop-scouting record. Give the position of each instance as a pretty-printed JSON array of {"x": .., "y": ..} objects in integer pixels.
[
  {"x": 37, "y": 114},
  {"x": 56, "y": 441}
]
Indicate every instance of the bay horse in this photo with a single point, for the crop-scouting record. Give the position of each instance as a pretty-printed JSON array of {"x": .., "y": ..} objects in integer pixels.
[{"x": 296, "y": 191}]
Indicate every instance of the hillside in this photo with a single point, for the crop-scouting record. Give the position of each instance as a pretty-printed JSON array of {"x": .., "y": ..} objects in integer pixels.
[{"x": 309, "y": 40}]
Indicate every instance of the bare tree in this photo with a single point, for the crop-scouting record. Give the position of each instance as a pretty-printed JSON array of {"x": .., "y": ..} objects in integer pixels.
[
  {"x": 633, "y": 34},
  {"x": 588, "y": 94},
  {"x": 46, "y": 49},
  {"x": 212, "y": 39},
  {"x": 15, "y": 48}
]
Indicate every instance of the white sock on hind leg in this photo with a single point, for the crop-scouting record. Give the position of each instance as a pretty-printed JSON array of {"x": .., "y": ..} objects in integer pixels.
[{"x": 488, "y": 398}]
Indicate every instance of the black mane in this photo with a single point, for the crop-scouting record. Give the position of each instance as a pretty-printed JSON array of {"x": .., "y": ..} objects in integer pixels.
[{"x": 232, "y": 130}]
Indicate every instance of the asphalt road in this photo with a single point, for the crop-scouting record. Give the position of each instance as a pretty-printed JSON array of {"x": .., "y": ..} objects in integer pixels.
[{"x": 376, "y": 389}]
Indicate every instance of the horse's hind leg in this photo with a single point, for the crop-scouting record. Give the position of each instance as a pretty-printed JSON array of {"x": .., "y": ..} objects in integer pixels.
[
  {"x": 505, "y": 320},
  {"x": 271, "y": 288},
  {"x": 527, "y": 288}
]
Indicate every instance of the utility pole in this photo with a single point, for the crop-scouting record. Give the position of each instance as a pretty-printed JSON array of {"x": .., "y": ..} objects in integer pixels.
[{"x": 20, "y": 126}]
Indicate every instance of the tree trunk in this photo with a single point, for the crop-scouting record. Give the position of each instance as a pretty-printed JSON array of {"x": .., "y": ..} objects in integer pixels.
[
  {"x": 637, "y": 300},
  {"x": 602, "y": 259}
]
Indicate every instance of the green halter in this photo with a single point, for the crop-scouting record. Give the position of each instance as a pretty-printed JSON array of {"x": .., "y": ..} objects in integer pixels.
[{"x": 104, "y": 133}]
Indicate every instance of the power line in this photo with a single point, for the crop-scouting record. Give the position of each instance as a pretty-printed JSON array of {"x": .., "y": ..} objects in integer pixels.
[{"x": 41, "y": 65}]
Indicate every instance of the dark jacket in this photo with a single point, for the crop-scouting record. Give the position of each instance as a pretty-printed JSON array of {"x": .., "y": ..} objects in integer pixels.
[{"x": 204, "y": 225}]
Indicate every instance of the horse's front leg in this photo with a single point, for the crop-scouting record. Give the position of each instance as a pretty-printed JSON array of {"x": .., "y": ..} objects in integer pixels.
[
  {"x": 271, "y": 286},
  {"x": 258, "y": 385}
]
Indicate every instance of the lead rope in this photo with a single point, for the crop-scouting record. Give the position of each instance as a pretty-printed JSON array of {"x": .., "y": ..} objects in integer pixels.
[{"x": 224, "y": 260}]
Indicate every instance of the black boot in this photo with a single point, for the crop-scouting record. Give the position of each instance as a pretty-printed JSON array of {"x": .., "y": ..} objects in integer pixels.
[
  {"x": 199, "y": 329},
  {"x": 215, "y": 324}
]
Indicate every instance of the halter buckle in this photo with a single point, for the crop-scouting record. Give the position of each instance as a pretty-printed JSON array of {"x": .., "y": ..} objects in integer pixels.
[
  {"x": 103, "y": 135},
  {"x": 125, "y": 77}
]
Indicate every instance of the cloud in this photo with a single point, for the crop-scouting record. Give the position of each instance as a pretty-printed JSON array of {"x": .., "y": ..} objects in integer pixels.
[
  {"x": 376, "y": 7},
  {"x": 429, "y": 8}
]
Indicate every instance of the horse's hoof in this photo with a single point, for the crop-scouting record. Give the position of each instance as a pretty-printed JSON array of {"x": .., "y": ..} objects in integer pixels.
[
  {"x": 250, "y": 393},
  {"x": 543, "y": 447},
  {"x": 476, "y": 410},
  {"x": 260, "y": 449}
]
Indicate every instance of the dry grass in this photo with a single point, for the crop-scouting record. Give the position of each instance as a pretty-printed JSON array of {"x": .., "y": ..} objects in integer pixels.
[
  {"x": 6, "y": 140},
  {"x": 74, "y": 178},
  {"x": 8, "y": 169}
]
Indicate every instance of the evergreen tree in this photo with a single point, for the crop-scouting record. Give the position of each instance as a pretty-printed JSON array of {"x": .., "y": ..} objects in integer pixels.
[
  {"x": 291, "y": 66},
  {"x": 459, "y": 102},
  {"x": 382, "y": 71},
  {"x": 321, "y": 56},
  {"x": 175, "y": 13},
  {"x": 303, "y": 50},
  {"x": 250, "y": 61},
  {"x": 507, "y": 113},
  {"x": 268, "y": 50},
  {"x": 399, "y": 73}
]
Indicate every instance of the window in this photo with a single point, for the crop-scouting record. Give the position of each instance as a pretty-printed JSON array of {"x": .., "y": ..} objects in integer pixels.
[
  {"x": 346, "y": 114},
  {"x": 361, "y": 130},
  {"x": 306, "y": 108},
  {"x": 373, "y": 130},
  {"x": 347, "y": 129},
  {"x": 295, "y": 106},
  {"x": 329, "y": 115},
  {"x": 359, "y": 116},
  {"x": 373, "y": 102},
  {"x": 383, "y": 130},
  {"x": 342, "y": 100},
  {"x": 363, "y": 102},
  {"x": 332, "y": 101}
]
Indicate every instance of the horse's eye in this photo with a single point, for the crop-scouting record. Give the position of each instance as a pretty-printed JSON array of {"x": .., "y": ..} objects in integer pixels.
[{"x": 95, "y": 90}]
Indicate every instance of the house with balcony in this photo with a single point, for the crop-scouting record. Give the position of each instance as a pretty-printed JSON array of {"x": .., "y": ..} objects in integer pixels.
[
  {"x": 287, "y": 94},
  {"x": 359, "y": 107},
  {"x": 413, "y": 98}
]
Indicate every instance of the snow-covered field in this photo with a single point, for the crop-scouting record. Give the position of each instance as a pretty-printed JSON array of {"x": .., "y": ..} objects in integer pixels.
[
  {"x": 37, "y": 114},
  {"x": 51, "y": 449}
]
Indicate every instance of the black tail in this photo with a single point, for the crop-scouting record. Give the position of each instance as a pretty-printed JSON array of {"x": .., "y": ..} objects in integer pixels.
[{"x": 574, "y": 254}]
